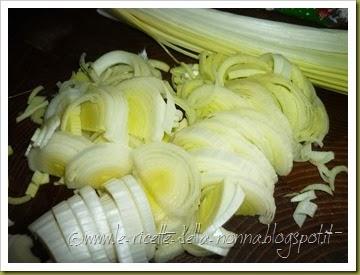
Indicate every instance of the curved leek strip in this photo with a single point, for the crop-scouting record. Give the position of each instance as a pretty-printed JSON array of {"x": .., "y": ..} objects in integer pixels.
[
  {"x": 116, "y": 74},
  {"x": 194, "y": 137},
  {"x": 131, "y": 217},
  {"x": 260, "y": 99},
  {"x": 239, "y": 59},
  {"x": 31, "y": 109},
  {"x": 318, "y": 187},
  {"x": 19, "y": 200},
  {"x": 209, "y": 99},
  {"x": 188, "y": 87},
  {"x": 230, "y": 164},
  {"x": 329, "y": 175},
  {"x": 116, "y": 118},
  {"x": 218, "y": 204},
  {"x": 53, "y": 158},
  {"x": 258, "y": 200},
  {"x": 299, "y": 110},
  {"x": 97, "y": 164},
  {"x": 147, "y": 109},
  {"x": 47, "y": 229},
  {"x": 68, "y": 92},
  {"x": 42, "y": 135},
  {"x": 304, "y": 208},
  {"x": 309, "y": 195},
  {"x": 166, "y": 167},
  {"x": 101, "y": 111},
  {"x": 121, "y": 57},
  {"x": 276, "y": 148},
  {"x": 240, "y": 145}
]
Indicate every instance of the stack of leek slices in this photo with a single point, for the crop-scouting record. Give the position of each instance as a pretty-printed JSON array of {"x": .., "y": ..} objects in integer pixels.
[{"x": 143, "y": 154}]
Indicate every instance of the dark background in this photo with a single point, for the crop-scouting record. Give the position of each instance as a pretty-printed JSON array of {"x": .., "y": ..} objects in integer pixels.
[{"x": 45, "y": 46}]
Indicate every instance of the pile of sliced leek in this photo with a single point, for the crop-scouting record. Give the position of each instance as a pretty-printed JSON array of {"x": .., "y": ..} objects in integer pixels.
[{"x": 143, "y": 154}]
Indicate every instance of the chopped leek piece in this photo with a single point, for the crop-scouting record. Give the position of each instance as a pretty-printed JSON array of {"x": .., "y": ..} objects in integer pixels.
[
  {"x": 318, "y": 186},
  {"x": 32, "y": 189},
  {"x": 40, "y": 178},
  {"x": 19, "y": 200},
  {"x": 308, "y": 195},
  {"x": 304, "y": 208}
]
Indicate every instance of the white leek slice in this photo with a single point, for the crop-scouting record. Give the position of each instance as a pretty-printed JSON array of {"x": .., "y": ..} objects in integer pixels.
[
  {"x": 167, "y": 167},
  {"x": 329, "y": 175},
  {"x": 69, "y": 226},
  {"x": 130, "y": 215},
  {"x": 97, "y": 164},
  {"x": 220, "y": 242},
  {"x": 69, "y": 91},
  {"x": 47, "y": 229},
  {"x": 97, "y": 212},
  {"x": 34, "y": 93},
  {"x": 52, "y": 158},
  {"x": 121, "y": 57},
  {"x": 40, "y": 178},
  {"x": 116, "y": 117},
  {"x": 240, "y": 145},
  {"x": 99, "y": 111},
  {"x": 194, "y": 137},
  {"x": 31, "y": 109},
  {"x": 304, "y": 208},
  {"x": 218, "y": 204},
  {"x": 276, "y": 148},
  {"x": 147, "y": 108},
  {"x": 117, "y": 228},
  {"x": 318, "y": 186},
  {"x": 144, "y": 211},
  {"x": 262, "y": 101},
  {"x": 258, "y": 200},
  {"x": 229, "y": 164},
  {"x": 209, "y": 99},
  {"x": 159, "y": 65},
  {"x": 308, "y": 195},
  {"x": 42, "y": 135},
  {"x": 88, "y": 228}
]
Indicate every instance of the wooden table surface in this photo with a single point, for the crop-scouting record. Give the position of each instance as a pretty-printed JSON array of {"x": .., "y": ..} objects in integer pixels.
[{"x": 45, "y": 46}]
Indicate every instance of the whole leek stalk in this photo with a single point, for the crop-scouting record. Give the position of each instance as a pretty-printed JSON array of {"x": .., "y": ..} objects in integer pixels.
[{"x": 321, "y": 54}]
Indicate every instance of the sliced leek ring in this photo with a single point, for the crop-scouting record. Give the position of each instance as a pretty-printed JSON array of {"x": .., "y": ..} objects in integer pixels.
[
  {"x": 97, "y": 212},
  {"x": 49, "y": 232},
  {"x": 117, "y": 228},
  {"x": 70, "y": 229},
  {"x": 131, "y": 218},
  {"x": 88, "y": 227}
]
